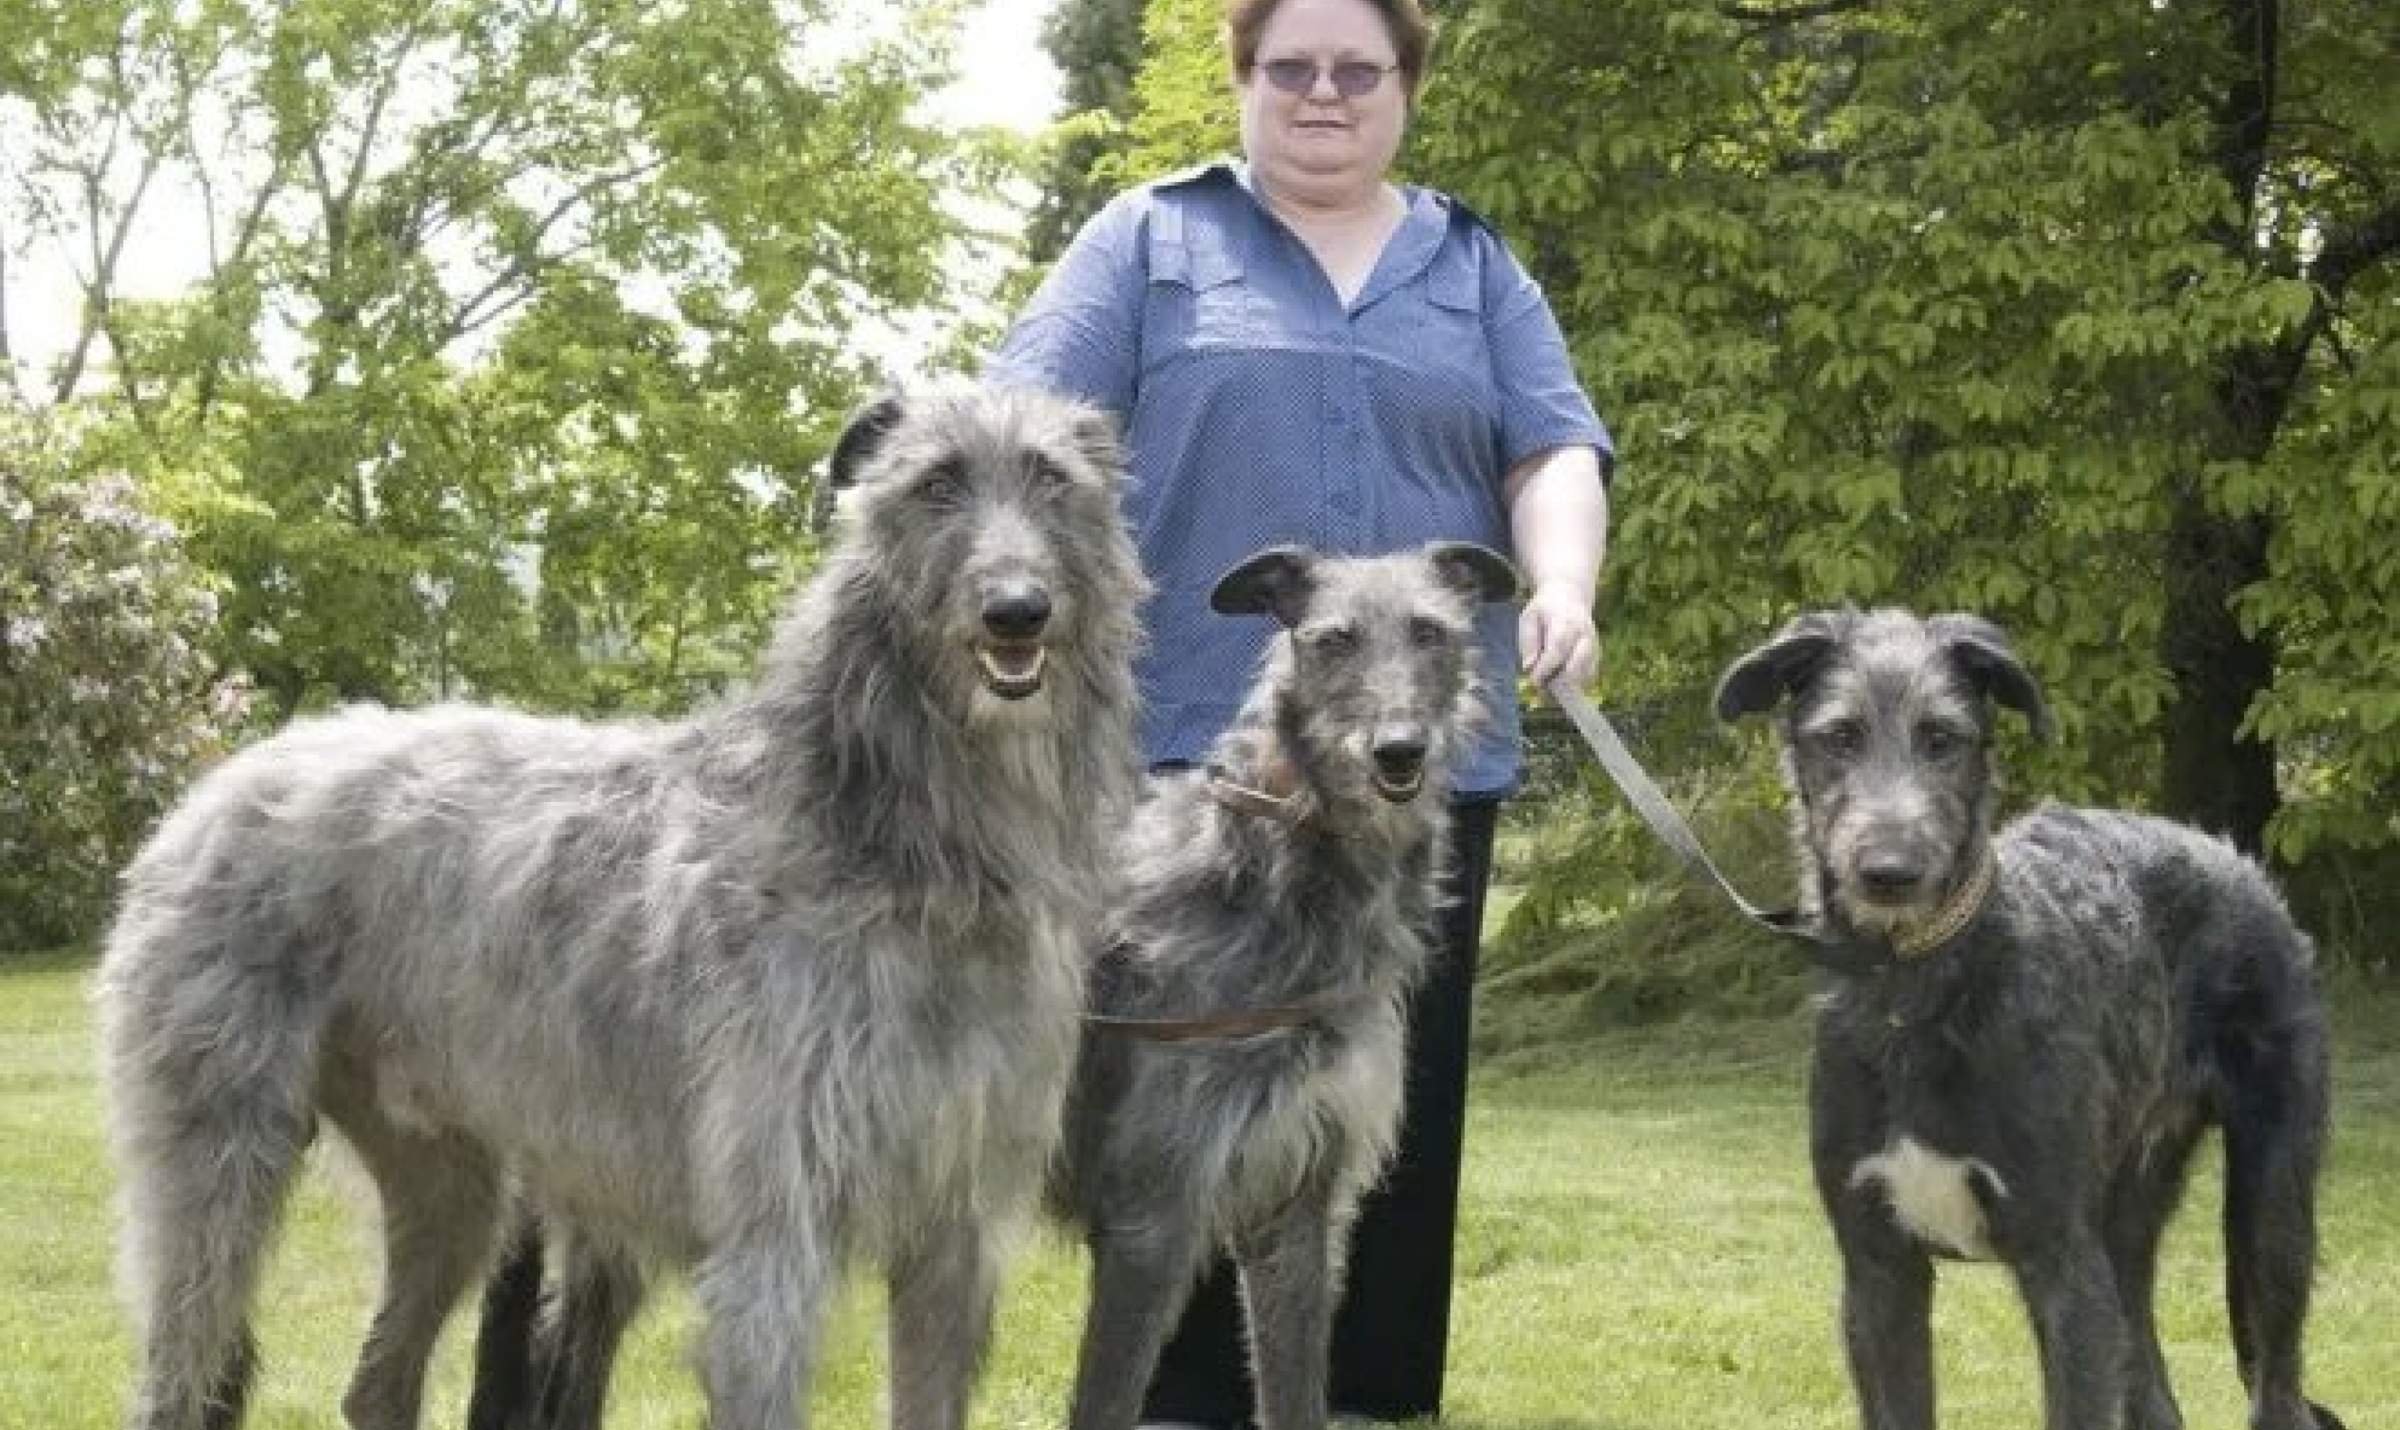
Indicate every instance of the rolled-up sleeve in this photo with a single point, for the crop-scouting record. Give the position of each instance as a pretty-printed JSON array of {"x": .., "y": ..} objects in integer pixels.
[
  {"x": 1541, "y": 404},
  {"x": 1080, "y": 335}
]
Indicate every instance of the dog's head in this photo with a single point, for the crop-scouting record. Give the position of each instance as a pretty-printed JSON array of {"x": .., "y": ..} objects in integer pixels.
[
  {"x": 1374, "y": 681},
  {"x": 997, "y": 511},
  {"x": 1887, "y": 728}
]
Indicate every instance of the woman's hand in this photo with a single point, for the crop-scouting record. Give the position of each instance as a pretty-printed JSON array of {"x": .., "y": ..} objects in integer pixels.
[
  {"x": 1558, "y": 521},
  {"x": 1555, "y": 635}
]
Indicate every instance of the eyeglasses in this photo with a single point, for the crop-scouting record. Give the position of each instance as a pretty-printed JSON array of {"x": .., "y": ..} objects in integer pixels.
[{"x": 1351, "y": 78}]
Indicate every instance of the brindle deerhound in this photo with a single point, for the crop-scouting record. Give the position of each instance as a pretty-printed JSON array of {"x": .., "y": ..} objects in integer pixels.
[
  {"x": 1317, "y": 899},
  {"x": 793, "y": 980},
  {"x": 2067, "y": 1005},
  {"x": 1240, "y": 1083}
]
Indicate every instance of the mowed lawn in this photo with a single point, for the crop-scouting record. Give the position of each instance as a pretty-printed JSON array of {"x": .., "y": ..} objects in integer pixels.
[{"x": 1640, "y": 1251}]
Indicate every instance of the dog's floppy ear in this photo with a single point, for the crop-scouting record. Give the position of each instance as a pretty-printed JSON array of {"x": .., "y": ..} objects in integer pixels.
[
  {"x": 1275, "y": 582},
  {"x": 1481, "y": 572},
  {"x": 1982, "y": 652},
  {"x": 1757, "y": 682},
  {"x": 862, "y": 438}
]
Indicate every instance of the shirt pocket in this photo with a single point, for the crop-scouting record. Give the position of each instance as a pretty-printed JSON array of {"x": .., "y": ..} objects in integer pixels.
[
  {"x": 1200, "y": 298},
  {"x": 1446, "y": 316}
]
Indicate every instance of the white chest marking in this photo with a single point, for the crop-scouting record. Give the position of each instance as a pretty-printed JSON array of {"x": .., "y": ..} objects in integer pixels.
[{"x": 1930, "y": 1196}]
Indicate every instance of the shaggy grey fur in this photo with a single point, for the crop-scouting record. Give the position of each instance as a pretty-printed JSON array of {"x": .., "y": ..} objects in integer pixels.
[
  {"x": 1260, "y": 1143},
  {"x": 751, "y": 994},
  {"x": 1264, "y": 1144},
  {"x": 2031, "y": 1089}
]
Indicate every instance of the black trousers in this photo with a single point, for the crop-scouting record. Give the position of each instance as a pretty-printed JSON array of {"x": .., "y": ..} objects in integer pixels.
[{"x": 1393, "y": 1329}]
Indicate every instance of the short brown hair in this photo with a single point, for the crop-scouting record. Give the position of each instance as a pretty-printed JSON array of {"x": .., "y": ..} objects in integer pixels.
[{"x": 1411, "y": 32}]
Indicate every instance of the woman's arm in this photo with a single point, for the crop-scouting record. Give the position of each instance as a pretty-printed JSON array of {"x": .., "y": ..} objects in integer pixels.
[
  {"x": 1080, "y": 333},
  {"x": 1558, "y": 521}
]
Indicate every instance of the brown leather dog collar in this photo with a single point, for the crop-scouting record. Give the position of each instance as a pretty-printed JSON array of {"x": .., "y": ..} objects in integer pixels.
[{"x": 1950, "y": 920}]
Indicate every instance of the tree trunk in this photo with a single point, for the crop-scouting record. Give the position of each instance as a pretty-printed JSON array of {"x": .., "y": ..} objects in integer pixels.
[{"x": 2215, "y": 776}]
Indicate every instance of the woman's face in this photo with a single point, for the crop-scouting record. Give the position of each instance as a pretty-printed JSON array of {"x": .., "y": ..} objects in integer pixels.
[{"x": 1323, "y": 146}]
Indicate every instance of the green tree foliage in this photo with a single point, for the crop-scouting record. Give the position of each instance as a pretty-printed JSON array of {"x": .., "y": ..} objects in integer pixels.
[
  {"x": 521, "y": 324},
  {"x": 2084, "y": 317},
  {"x": 1097, "y": 46},
  {"x": 1183, "y": 109},
  {"x": 106, "y": 701}
]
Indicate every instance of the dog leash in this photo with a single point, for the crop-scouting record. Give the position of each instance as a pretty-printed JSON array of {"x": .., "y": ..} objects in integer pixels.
[
  {"x": 1245, "y": 1023},
  {"x": 1635, "y": 784}
]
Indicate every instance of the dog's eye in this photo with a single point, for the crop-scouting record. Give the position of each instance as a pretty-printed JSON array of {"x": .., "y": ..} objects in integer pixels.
[
  {"x": 1843, "y": 737},
  {"x": 1425, "y": 632},
  {"x": 944, "y": 486},
  {"x": 1939, "y": 742},
  {"x": 1333, "y": 640}
]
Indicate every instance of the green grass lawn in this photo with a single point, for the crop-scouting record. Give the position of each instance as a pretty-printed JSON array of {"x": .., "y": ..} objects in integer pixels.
[{"x": 1640, "y": 1250}]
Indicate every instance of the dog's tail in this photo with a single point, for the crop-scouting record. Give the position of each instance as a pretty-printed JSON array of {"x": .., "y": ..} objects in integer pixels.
[{"x": 2267, "y": 1040}]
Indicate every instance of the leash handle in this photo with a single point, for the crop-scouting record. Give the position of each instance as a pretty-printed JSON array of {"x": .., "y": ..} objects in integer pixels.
[{"x": 1634, "y": 783}]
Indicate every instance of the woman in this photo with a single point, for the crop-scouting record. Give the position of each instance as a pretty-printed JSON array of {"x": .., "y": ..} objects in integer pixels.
[{"x": 1302, "y": 351}]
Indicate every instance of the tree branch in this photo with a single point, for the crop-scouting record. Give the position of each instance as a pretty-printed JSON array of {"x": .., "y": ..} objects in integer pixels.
[
  {"x": 8, "y": 362},
  {"x": 128, "y": 382},
  {"x": 205, "y": 391},
  {"x": 185, "y": 88},
  {"x": 334, "y": 304},
  {"x": 382, "y": 97},
  {"x": 1794, "y": 14},
  {"x": 98, "y": 298},
  {"x": 470, "y": 316},
  {"x": 2245, "y": 116},
  {"x": 473, "y": 315},
  {"x": 2350, "y": 251}
]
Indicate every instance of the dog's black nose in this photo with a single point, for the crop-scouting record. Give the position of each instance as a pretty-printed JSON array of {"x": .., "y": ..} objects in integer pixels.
[
  {"x": 1890, "y": 873},
  {"x": 1017, "y": 612},
  {"x": 1399, "y": 751}
]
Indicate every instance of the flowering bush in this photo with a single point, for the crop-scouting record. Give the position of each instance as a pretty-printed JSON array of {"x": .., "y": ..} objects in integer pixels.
[{"x": 107, "y": 703}]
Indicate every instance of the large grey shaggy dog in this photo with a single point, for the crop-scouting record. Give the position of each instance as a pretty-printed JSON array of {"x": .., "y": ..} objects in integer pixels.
[
  {"x": 794, "y": 981},
  {"x": 2067, "y": 1005},
  {"x": 1240, "y": 1081}
]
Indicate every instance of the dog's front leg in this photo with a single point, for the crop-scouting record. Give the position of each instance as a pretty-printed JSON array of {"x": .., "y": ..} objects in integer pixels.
[
  {"x": 1142, "y": 1275},
  {"x": 2079, "y": 1326},
  {"x": 762, "y": 1305},
  {"x": 942, "y": 1287},
  {"x": 1289, "y": 1288},
  {"x": 1887, "y": 1320}
]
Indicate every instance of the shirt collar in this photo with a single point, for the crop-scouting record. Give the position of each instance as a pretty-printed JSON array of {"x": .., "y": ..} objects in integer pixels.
[{"x": 1412, "y": 248}]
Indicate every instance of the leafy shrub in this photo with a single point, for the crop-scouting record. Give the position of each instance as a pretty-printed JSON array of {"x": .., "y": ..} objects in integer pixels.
[
  {"x": 107, "y": 702},
  {"x": 1611, "y": 930}
]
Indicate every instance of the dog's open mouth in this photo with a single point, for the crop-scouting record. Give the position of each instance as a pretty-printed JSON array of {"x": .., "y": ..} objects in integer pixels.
[
  {"x": 1012, "y": 670},
  {"x": 1400, "y": 786}
]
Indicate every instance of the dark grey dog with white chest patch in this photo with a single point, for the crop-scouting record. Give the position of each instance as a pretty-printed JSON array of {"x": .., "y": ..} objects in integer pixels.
[{"x": 2068, "y": 1004}]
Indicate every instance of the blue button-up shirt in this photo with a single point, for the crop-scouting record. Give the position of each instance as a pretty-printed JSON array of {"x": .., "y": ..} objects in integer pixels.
[{"x": 1259, "y": 410}]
